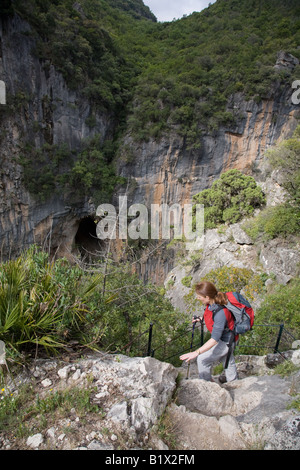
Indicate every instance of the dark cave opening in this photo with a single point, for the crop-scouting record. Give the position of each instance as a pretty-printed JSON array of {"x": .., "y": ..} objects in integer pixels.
[{"x": 86, "y": 238}]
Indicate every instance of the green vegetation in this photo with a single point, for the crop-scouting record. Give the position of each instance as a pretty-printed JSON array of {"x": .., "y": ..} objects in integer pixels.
[
  {"x": 54, "y": 169},
  {"x": 196, "y": 63},
  {"x": 280, "y": 306},
  {"x": 273, "y": 222},
  {"x": 186, "y": 281},
  {"x": 284, "y": 219},
  {"x": 24, "y": 413},
  {"x": 154, "y": 78},
  {"x": 285, "y": 369},
  {"x": 44, "y": 305},
  {"x": 231, "y": 197}
]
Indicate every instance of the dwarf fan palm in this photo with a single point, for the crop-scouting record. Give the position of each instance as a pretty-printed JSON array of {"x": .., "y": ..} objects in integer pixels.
[{"x": 41, "y": 303}]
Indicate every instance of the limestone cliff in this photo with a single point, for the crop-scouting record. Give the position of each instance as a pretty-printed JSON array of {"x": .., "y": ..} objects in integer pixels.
[
  {"x": 40, "y": 109},
  {"x": 167, "y": 172}
]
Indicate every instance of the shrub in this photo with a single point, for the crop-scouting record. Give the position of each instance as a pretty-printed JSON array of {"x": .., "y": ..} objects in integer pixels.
[
  {"x": 42, "y": 303},
  {"x": 272, "y": 222},
  {"x": 186, "y": 281},
  {"x": 281, "y": 306},
  {"x": 230, "y": 198},
  {"x": 229, "y": 279}
]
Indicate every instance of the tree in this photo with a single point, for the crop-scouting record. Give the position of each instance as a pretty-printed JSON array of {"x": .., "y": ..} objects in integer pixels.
[{"x": 230, "y": 198}]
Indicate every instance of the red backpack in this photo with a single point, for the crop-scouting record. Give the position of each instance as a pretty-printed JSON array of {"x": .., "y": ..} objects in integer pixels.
[
  {"x": 241, "y": 320},
  {"x": 238, "y": 312}
]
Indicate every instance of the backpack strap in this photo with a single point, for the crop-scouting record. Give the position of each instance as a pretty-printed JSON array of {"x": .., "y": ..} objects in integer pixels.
[{"x": 220, "y": 307}]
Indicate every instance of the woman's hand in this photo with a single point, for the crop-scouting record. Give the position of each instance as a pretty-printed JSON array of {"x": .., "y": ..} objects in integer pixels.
[
  {"x": 189, "y": 356},
  {"x": 192, "y": 355},
  {"x": 195, "y": 319}
]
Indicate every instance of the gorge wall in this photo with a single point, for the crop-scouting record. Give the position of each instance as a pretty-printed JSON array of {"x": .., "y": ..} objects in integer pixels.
[
  {"x": 167, "y": 172},
  {"x": 41, "y": 109}
]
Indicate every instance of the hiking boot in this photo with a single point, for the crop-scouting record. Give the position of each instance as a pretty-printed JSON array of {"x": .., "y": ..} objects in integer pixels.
[{"x": 222, "y": 379}]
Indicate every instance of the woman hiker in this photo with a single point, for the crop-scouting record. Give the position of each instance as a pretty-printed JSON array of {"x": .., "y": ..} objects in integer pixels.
[{"x": 219, "y": 322}]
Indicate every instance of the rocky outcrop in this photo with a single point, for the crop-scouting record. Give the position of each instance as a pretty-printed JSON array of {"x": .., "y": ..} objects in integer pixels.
[
  {"x": 132, "y": 395},
  {"x": 281, "y": 257},
  {"x": 245, "y": 414},
  {"x": 231, "y": 246}
]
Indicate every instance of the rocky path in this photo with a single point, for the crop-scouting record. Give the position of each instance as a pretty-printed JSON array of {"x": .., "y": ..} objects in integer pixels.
[{"x": 142, "y": 403}]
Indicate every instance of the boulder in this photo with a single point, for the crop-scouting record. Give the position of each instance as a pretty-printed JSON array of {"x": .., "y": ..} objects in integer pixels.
[
  {"x": 147, "y": 386},
  {"x": 207, "y": 398},
  {"x": 280, "y": 258},
  {"x": 250, "y": 413},
  {"x": 195, "y": 431},
  {"x": 239, "y": 235}
]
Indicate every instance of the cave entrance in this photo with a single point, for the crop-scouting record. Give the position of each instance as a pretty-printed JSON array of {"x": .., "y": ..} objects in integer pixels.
[{"x": 86, "y": 239}]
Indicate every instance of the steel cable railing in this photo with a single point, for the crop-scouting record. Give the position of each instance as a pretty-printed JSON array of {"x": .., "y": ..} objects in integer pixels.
[{"x": 278, "y": 342}]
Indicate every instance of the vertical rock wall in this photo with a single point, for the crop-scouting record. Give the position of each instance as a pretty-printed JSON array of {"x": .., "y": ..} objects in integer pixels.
[
  {"x": 167, "y": 172},
  {"x": 40, "y": 110}
]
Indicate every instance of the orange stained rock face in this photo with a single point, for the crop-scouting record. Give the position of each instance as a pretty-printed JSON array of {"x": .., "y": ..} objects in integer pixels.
[
  {"x": 165, "y": 186},
  {"x": 244, "y": 149}
]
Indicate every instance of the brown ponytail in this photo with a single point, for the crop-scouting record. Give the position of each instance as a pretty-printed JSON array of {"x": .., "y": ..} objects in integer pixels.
[
  {"x": 221, "y": 298},
  {"x": 206, "y": 288}
]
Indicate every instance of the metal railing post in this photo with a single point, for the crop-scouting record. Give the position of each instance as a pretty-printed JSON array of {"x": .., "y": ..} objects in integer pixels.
[
  {"x": 150, "y": 340},
  {"x": 202, "y": 333},
  {"x": 281, "y": 326}
]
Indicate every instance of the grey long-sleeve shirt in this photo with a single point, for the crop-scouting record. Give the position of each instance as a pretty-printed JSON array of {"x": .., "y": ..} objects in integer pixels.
[{"x": 220, "y": 329}]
